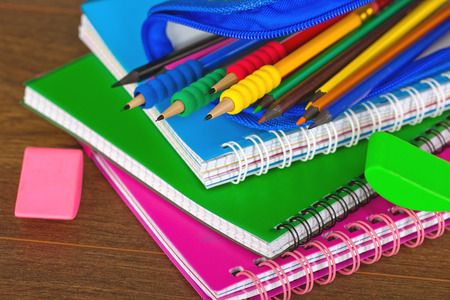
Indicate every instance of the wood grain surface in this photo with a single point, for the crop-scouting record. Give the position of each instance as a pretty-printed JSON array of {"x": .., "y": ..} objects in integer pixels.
[{"x": 105, "y": 252}]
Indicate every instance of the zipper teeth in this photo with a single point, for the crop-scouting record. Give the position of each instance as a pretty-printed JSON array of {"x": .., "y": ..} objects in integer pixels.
[
  {"x": 261, "y": 34},
  {"x": 421, "y": 67},
  {"x": 225, "y": 9}
]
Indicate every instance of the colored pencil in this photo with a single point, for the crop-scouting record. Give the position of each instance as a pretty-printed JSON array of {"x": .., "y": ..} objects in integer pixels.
[
  {"x": 384, "y": 57},
  {"x": 268, "y": 54},
  {"x": 396, "y": 10},
  {"x": 318, "y": 78},
  {"x": 362, "y": 89},
  {"x": 418, "y": 15},
  {"x": 192, "y": 97},
  {"x": 150, "y": 69},
  {"x": 164, "y": 85},
  {"x": 253, "y": 87}
]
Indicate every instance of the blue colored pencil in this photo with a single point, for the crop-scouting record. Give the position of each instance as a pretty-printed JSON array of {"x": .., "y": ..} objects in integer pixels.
[
  {"x": 164, "y": 85},
  {"x": 357, "y": 93}
]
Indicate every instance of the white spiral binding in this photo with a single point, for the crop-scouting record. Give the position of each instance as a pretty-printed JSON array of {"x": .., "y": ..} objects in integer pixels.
[
  {"x": 241, "y": 176},
  {"x": 331, "y": 146},
  {"x": 398, "y": 111},
  {"x": 355, "y": 137},
  {"x": 401, "y": 114},
  {"x": 289, "y": 146},
  {"x": 314, "y": 146},
  {"x": 286, "y": 162},
  {"x": 440, "y": 95},
  {"x": 307, "y": 143},
  {"x": 420, "y": 104},
  {"x": 358, "y": 127},
  {"x": 262, "y": 170},
  {"x": 374, "y": 122},
  {"x": 336, "y": 137},
  {"x": 377, "y": 113},
  {"x": 354, "y": 123}
]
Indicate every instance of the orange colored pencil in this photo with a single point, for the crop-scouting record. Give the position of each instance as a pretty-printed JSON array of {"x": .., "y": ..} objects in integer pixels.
[{"x": 380, "y": 60}]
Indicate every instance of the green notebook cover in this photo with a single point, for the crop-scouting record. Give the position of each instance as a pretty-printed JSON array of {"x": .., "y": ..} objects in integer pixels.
[{"x": 256, "y": 205}]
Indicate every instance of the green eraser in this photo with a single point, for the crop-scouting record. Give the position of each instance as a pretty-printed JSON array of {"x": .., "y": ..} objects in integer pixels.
[{"x": 406, "y": 175}]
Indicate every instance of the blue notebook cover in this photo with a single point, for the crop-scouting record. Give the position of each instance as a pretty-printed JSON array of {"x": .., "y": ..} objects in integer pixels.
[{"x": 119, "y": 25}]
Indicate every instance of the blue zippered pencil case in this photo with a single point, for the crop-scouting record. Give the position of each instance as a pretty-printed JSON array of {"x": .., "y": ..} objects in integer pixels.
[
  {"x": 266, "y": 19},
  {"x": 242, "y": 19}
]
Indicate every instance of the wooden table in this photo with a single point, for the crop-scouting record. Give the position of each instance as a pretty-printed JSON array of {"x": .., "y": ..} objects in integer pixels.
[{"x": 105, "y": 252}]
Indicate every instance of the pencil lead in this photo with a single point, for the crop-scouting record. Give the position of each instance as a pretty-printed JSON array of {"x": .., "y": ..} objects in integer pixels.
[
  {"x": 266, "y": 101},
  {"x": 161, "y": 117},
  {"x": 126, "y": 107},
  {"x": 262, "y": 120},
  {"x": 301, "y": 121},
  {"x": 311, "y": 113},
  {"x": 313, "y": 125},
  {"x": 176, "y": 108},
  {"x": 213, "y": 90},
  {"x": 127, "y": 79},
  {"x": 258, "y": 108},
  {"x": 225, "y": 106}
]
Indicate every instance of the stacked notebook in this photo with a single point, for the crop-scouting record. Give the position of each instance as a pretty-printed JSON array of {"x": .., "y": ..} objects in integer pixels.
[
  {"x": 230, "y": 229},
  {"x": 203, "y": 151},
  {"x": 210, "y": 262}
]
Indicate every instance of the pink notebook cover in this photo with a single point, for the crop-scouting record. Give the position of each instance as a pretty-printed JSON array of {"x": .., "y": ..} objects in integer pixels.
[{"x": 206, "y": 258}]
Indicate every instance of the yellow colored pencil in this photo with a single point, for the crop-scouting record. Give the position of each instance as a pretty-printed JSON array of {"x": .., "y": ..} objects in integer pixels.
[
  {"x": 402, "y": 28},
  {"x": 256, "y": 85}
]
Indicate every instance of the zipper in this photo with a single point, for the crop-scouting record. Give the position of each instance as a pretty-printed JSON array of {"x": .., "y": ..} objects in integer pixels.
[{"x": 162, "y": 12}]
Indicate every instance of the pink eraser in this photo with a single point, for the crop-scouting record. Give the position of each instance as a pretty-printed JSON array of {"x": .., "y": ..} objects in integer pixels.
[{"x": 50, "y": 183}]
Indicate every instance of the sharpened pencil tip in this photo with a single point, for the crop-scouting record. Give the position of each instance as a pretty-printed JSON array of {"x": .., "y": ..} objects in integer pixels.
[
  {"x": 318, "y": 94},
  {"x": 213, "y": 90},
  {"x": 262, "y": 120},
  {"x": 258, "y": 108},
  {"x": 126, "y": 107},
  {"x": 301, "y": 121},
  {"x": 116, "y": 84},
  {"x": 161, "y": 117},
  {"x": 208, "y": 117},
  {"x": 313, "y": 125}
]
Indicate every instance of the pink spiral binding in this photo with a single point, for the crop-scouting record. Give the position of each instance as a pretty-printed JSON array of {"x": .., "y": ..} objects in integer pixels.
[
  {"x": 286, "y": 285},
  {"x": 394, "y": 230},
  {"x": 257, "y": 282},
  {"x": 375, "y": 240},
  {"x": 353, "y": 251},
  {"x": 330, "y": 259},
  {"x": 447, "y": 227},
  {"x": 309, "y": 274},
  {"x": 417, "y": 223},
  {"x": 441, "y": 227}
]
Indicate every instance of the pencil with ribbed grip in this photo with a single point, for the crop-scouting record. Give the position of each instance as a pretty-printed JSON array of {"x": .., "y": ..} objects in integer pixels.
[
  {"x": 391, "y": 14},
  {"x": 192, "y": 97},
  {"x": 164, "y": 85},
  {"x": 268, "y": 54},
  {"x": 254, "y": 86}
]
